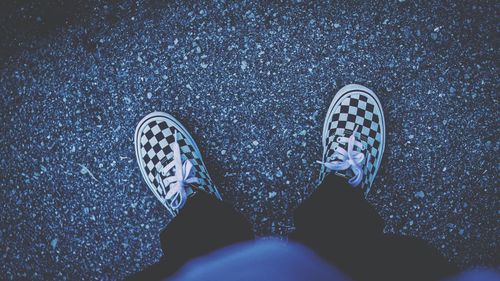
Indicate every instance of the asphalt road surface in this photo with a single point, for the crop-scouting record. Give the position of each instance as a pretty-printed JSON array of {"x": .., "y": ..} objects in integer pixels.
[{"x": 252, "y": 82}]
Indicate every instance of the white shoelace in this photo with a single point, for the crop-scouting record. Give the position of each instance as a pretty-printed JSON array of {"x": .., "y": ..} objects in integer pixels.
[
  {"x": 183, "y": 174},
  {"x": 348, "y": 159}
]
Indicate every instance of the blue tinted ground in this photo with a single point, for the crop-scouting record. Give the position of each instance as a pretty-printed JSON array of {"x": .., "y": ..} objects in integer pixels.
[{"x": 252, "y": 81}]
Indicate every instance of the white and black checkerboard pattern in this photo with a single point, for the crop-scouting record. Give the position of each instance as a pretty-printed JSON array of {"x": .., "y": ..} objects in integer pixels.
[
  {"x": 353, "y": 111},
  {"x": 156, "y": 152}
]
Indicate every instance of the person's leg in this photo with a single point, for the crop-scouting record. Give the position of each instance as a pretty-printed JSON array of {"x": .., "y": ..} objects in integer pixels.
[
  {"x": 172, "y": 166},
  {"x": 339, "y": 210},
  {"x": 203, "y": 225},
  {"x": 338, "y": 224},
  {"x": 341, "y": 226},
  {"x": 336, "y": 221}
]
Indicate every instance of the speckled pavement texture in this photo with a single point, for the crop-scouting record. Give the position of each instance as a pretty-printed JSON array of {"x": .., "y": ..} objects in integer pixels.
[{"x": 252, "y": 82}]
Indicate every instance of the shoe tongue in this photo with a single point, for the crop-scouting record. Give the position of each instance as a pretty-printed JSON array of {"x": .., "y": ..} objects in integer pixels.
[{"x": 345, "y": 173}]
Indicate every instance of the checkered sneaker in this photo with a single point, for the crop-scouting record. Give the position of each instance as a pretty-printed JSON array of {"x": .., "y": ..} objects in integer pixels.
[
  {"x": 170, "y": 162},
  {"x": 354, "y": 136}
]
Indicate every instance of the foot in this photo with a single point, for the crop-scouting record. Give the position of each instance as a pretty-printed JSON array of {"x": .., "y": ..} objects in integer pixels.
[
  {"x": 170, "y": 161},
  {"x": 354, "y": 136}
]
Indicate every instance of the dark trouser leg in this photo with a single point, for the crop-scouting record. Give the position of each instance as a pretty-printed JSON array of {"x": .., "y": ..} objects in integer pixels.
[
  {"x": 338, "y": 224},
  {"x": 204, "y": 225},
  {"x": 341, "y": 226}
]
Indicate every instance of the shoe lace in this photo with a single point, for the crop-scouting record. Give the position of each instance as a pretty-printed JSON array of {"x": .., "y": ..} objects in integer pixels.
[
  {"x": 349, "y": 158},
  {"x": 183, "y": 174}
]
